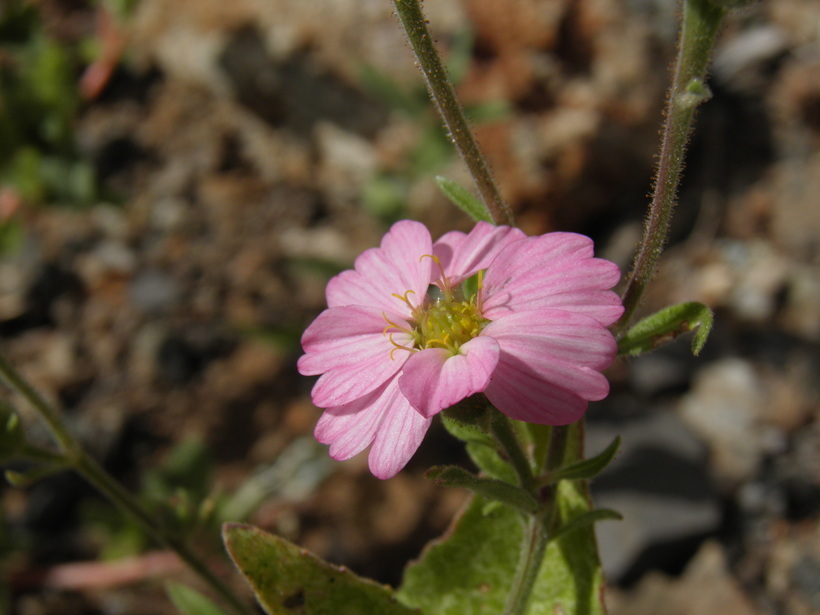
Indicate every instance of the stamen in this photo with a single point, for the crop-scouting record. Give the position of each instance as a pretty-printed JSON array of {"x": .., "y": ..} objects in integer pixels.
[
  {"x": 392, "y": 325},
  {"x": 444, "y": 283},
  {"x": 404, "y": 297},
  {"x": 397, "y": 346}
]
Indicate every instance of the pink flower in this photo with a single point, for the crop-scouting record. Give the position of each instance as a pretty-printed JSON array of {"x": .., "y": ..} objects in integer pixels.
[{"x": 400, "y": 341}]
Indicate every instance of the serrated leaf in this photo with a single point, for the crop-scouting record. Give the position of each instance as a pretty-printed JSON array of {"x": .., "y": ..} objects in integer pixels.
[
  {"x": 188, "y": 601},
  {"x": 588, "y": 468},
  {"x": 667, "y": 324},
  {"x": 461, "y": 198},
  {"x": 471, "y": 569},
  {"x": 287, "y": 579},
  {"x": 488, "y": 488}
]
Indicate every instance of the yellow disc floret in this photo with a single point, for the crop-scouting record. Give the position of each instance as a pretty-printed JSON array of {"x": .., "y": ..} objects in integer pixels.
[{"x": 445, "y": 319}]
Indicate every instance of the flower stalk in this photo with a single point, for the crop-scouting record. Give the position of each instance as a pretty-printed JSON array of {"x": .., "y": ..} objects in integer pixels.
[
  {"x": 451, "y": 111},
  {"x": 538, "y": 529},
  {"x": 75, "y": 457},
  {"x": 701, "y": 22}
]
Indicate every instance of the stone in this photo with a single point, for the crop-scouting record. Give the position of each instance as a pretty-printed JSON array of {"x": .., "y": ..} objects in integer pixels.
[{"x": 725, "y": 407}]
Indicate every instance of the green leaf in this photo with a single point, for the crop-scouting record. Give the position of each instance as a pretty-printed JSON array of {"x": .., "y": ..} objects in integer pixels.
[
  {"x": 489, "y": 488},
  {"x": 391, "y": 93},
  {"x": 289, "y": 580},
  {"x": 188, "y": 601},
  {"x": 462, "y": 199},
  {"x": 588, "y": 518},
  {"x": 29, "y": 477},
  {"x": 482, "y": 450},
  {"x": 666, "y": 325},
  {"x": 471, "y": 569},
  {"x": 12, "y": 438},
  {"x": 588, "y": 468}
]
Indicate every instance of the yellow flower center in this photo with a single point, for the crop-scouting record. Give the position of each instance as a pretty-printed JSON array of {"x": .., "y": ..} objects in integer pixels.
[{"x": 445, "y": 319}]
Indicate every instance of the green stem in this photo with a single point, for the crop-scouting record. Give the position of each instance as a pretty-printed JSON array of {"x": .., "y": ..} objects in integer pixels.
[
  {"x": 47, "y": 412},
  {"x": 78, "y": 459},
  {"x": 114, "y": 491},
  {"x": 538, "y": 528},
  {"x": 443, "y": 94},
  {"x": 532, "y": 555},
  {"x": 701, "y": 21}
]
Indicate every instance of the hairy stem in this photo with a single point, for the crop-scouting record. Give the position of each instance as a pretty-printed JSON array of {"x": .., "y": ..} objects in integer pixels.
[
  {"x": 537, "y": 530},
  {"x": 443, "y": 94},
  {"x": 701, "y": 22},
  {"x": 76, "y": 458},
  {"x": 532, "y": 555}
]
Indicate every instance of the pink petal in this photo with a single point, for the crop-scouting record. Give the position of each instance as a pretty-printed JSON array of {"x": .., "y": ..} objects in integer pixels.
[
  {"x": 556, "y": 369},
  {"x": 520, "y": 393},
  {"x": 433, "y": 380},
  {"x": 350, "y": 428},
  {"x": 462, "y": 256},
  {"x": 394, "y": 268},
  {"x": 556, "y": 270},
  {"x": 398, "y": 437},
  {"x": 544, "y": 336},
  {"x": 549, "y": 364},
  {"x": 348, "y": 346}
]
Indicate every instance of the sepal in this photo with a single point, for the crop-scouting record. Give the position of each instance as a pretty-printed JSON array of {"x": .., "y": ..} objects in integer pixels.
[{"x": 481, "y": 447}]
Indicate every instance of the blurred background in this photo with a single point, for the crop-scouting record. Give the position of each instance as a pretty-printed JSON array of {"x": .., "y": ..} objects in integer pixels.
[{"x": 179, "y": 179}]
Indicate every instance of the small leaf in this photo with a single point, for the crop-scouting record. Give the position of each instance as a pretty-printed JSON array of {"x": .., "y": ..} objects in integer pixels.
[
  {"x": 588, "y": 468},
  {"x": 667, "y": 324},
  {"x": 489, "y": 488},
  {"x": 481, "y": 449},
  {"x": 470, "y": 570},
  {"x": 12, "y": 438},
  {"x": 29, "y": 477},
  {"x": 188, "y": 601},
  {"x": 599, "y": 514},
  {"x": 461, "y": 198},
  {"x": 388, "y": 91},
  {"x": 288, "y": 579}
]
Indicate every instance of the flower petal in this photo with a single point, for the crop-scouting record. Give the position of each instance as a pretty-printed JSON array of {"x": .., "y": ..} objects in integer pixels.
[
  {"x": 350, "y": 428},
  {"x": 522, "y": 394},
  {"x": 348, "y": 346},
  {"x": 555, "y": 270},
  {"x": 463, "y": 255},
  {"x": 392, "y": 269},
  {"x": 543, "y": 336},
  {"x": 432, "y": 380},
  {"x": 548, "y": 365},
  {"x": 398, "y": 437}
]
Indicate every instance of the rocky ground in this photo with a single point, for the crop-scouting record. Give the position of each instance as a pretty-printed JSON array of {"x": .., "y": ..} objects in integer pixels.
[{"x": 256, "y": 147}]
